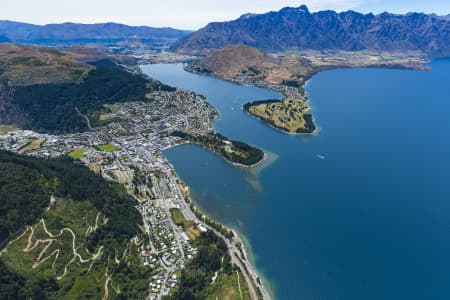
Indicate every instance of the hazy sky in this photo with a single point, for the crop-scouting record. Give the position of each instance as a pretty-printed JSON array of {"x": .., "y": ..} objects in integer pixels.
[{"x": 187, "y": 14}]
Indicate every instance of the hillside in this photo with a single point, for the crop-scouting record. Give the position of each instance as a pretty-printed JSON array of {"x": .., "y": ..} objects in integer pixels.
[
  {"x": 84, "y": 33},
  {"x": 61, "y": 228},
  {"x": 235, "y": 61},
  {"x": 297, "y": 28},
  {"x": 26, "y": 65},
  {"x": 52, "y": 91},
  {"x": 247, "y": 64}
]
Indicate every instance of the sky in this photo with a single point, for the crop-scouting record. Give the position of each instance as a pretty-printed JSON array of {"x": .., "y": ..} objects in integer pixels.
[{"x": 188, "y": 14}]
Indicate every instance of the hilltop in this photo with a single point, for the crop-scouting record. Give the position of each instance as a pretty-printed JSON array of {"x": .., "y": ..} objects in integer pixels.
[
  {"x": 26, "y": 65},
  {"x": 295, "y": 28},
  {"x": 236, "y": 61}
]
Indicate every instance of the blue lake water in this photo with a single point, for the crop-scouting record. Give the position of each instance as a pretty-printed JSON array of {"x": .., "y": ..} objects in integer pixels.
[{"x": 369, "y": 221}]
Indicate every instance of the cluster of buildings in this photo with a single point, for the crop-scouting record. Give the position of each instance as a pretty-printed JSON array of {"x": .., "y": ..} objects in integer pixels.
[{"x": 136, "y": 134}]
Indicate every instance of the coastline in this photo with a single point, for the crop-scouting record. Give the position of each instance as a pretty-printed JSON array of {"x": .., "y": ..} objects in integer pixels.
[
  {"x": 250, "y": 256},
  {"x": 422, "y": 66},
  {"x": 314, "y": 132},
  {"x": 249, "y": 262},
  {"x": 267, "y": 86},
  {"x": 204, "y": 145},
  {"x": 247, "y": 266},
  {"x": 260, "y": 162},
  {"x": 265, "y": 158}
]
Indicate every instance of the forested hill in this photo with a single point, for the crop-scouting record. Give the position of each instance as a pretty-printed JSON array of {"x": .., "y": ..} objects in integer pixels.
[
  {"x": 52, "y": 91},
  {"x": 57, "y": 198},
  {"x": 294, "y": 28},
  {"x": 64, "y": 107}
]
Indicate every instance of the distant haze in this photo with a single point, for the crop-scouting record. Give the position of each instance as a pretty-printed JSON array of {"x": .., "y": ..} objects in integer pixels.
[{"x": 191, "y": 14}]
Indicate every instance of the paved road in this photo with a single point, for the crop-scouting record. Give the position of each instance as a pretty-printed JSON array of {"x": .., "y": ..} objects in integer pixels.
[{"x": 250, "y": 277}]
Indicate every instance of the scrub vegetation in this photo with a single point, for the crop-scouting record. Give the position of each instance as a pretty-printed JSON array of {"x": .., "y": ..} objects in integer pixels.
[
  {"x": 66, "y": 233},
  {"x": 289, "y": 115}
]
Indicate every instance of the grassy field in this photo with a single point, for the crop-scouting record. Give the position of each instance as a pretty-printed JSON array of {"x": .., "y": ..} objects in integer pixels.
[
  {"x": 32, "y": 145},
  {"x": 103, "y": 117},
  {"x": 107, "y": 147},
  {"x": 26, "y": 65},
  {"x": 229, "y": 287},
  {"x": 77, "y": 153},
  {"x": 287, "y": 115},
  {"x": 7, "y": 128},
  {"x": 188, "y": 226}
]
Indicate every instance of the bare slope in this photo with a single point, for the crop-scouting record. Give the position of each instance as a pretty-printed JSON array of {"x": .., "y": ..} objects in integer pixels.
[
  {"x": 53, "y": 91},
  {"x": 294, "y": 28},
  {"x": 26, "y": 65},
  {"x": 238, "y": 61}
]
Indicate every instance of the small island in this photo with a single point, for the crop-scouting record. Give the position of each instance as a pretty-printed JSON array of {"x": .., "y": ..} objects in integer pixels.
[{"x": 288, "y": 115}]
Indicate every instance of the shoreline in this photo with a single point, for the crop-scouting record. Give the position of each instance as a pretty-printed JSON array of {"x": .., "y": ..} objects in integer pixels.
[
  {"x": 314, "y": 132},
  {"x": 260, "y": 162},
  {"x": 249, "y": 254},
  {"x": 248, "y": 267},
  {"x": 258, "y": 277},
  {"x": 270, "y": 86}
]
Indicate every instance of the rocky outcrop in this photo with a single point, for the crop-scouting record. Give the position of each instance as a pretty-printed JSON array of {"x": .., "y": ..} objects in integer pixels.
[
  {"x": 10, "y": 113},
  {"x": 298, "y": 28}
]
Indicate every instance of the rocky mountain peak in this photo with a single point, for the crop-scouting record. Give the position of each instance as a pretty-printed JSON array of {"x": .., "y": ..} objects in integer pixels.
[{"x": 296, "y": 28}]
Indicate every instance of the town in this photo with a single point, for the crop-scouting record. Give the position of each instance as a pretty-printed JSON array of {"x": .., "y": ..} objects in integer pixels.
[{"x": 128, "y": 149}]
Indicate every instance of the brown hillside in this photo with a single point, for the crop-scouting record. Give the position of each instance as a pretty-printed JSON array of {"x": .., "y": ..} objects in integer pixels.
[
  {"x": 238, "y": 61},
  {"x": 27, "y": 65}
]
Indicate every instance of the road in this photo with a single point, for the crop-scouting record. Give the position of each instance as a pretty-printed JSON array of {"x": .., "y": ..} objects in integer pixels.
[{"x": 251, "y": 277}]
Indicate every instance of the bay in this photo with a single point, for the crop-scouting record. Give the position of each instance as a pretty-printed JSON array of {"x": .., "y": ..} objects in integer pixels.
[{"x": 360, "y": 210}]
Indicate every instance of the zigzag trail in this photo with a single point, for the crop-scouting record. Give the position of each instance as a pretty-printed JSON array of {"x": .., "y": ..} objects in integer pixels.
[{"x": 52, "y": 238}]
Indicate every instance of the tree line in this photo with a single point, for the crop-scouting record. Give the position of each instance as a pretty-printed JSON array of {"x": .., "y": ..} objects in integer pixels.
[{"x": 60, "y": 108}]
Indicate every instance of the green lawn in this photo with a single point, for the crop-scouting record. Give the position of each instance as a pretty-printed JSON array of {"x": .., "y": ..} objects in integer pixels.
[
  {"x": 7, "y": 128},
  {"x": 77, "y": 153},
  {"x": 229, "y": 287},
  {"x": 290, "y": 114},
  {"x": 107, "y": 147},
  {"x": 188, "y": 226}
]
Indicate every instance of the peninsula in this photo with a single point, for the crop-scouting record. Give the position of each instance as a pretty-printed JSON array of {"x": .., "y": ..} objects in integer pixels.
[
  {"x": 287, "y": 72},
  {"x": 281, "y": 50},
  {"x": 91, "y": 207},
  {"x": 109, "y": 218}
]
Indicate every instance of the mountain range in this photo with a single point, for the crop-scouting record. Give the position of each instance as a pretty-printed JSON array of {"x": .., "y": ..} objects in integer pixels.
[
  {"x": 17, "y": 32},
  {"x": 297, "y": 28}
]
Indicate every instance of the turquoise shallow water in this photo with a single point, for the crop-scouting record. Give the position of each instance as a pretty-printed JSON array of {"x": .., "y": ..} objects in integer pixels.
[{"x": 372, "y": 219}]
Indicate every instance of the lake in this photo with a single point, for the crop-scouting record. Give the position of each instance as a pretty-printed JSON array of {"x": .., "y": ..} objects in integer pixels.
[{"x": 360, "y": 210}]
